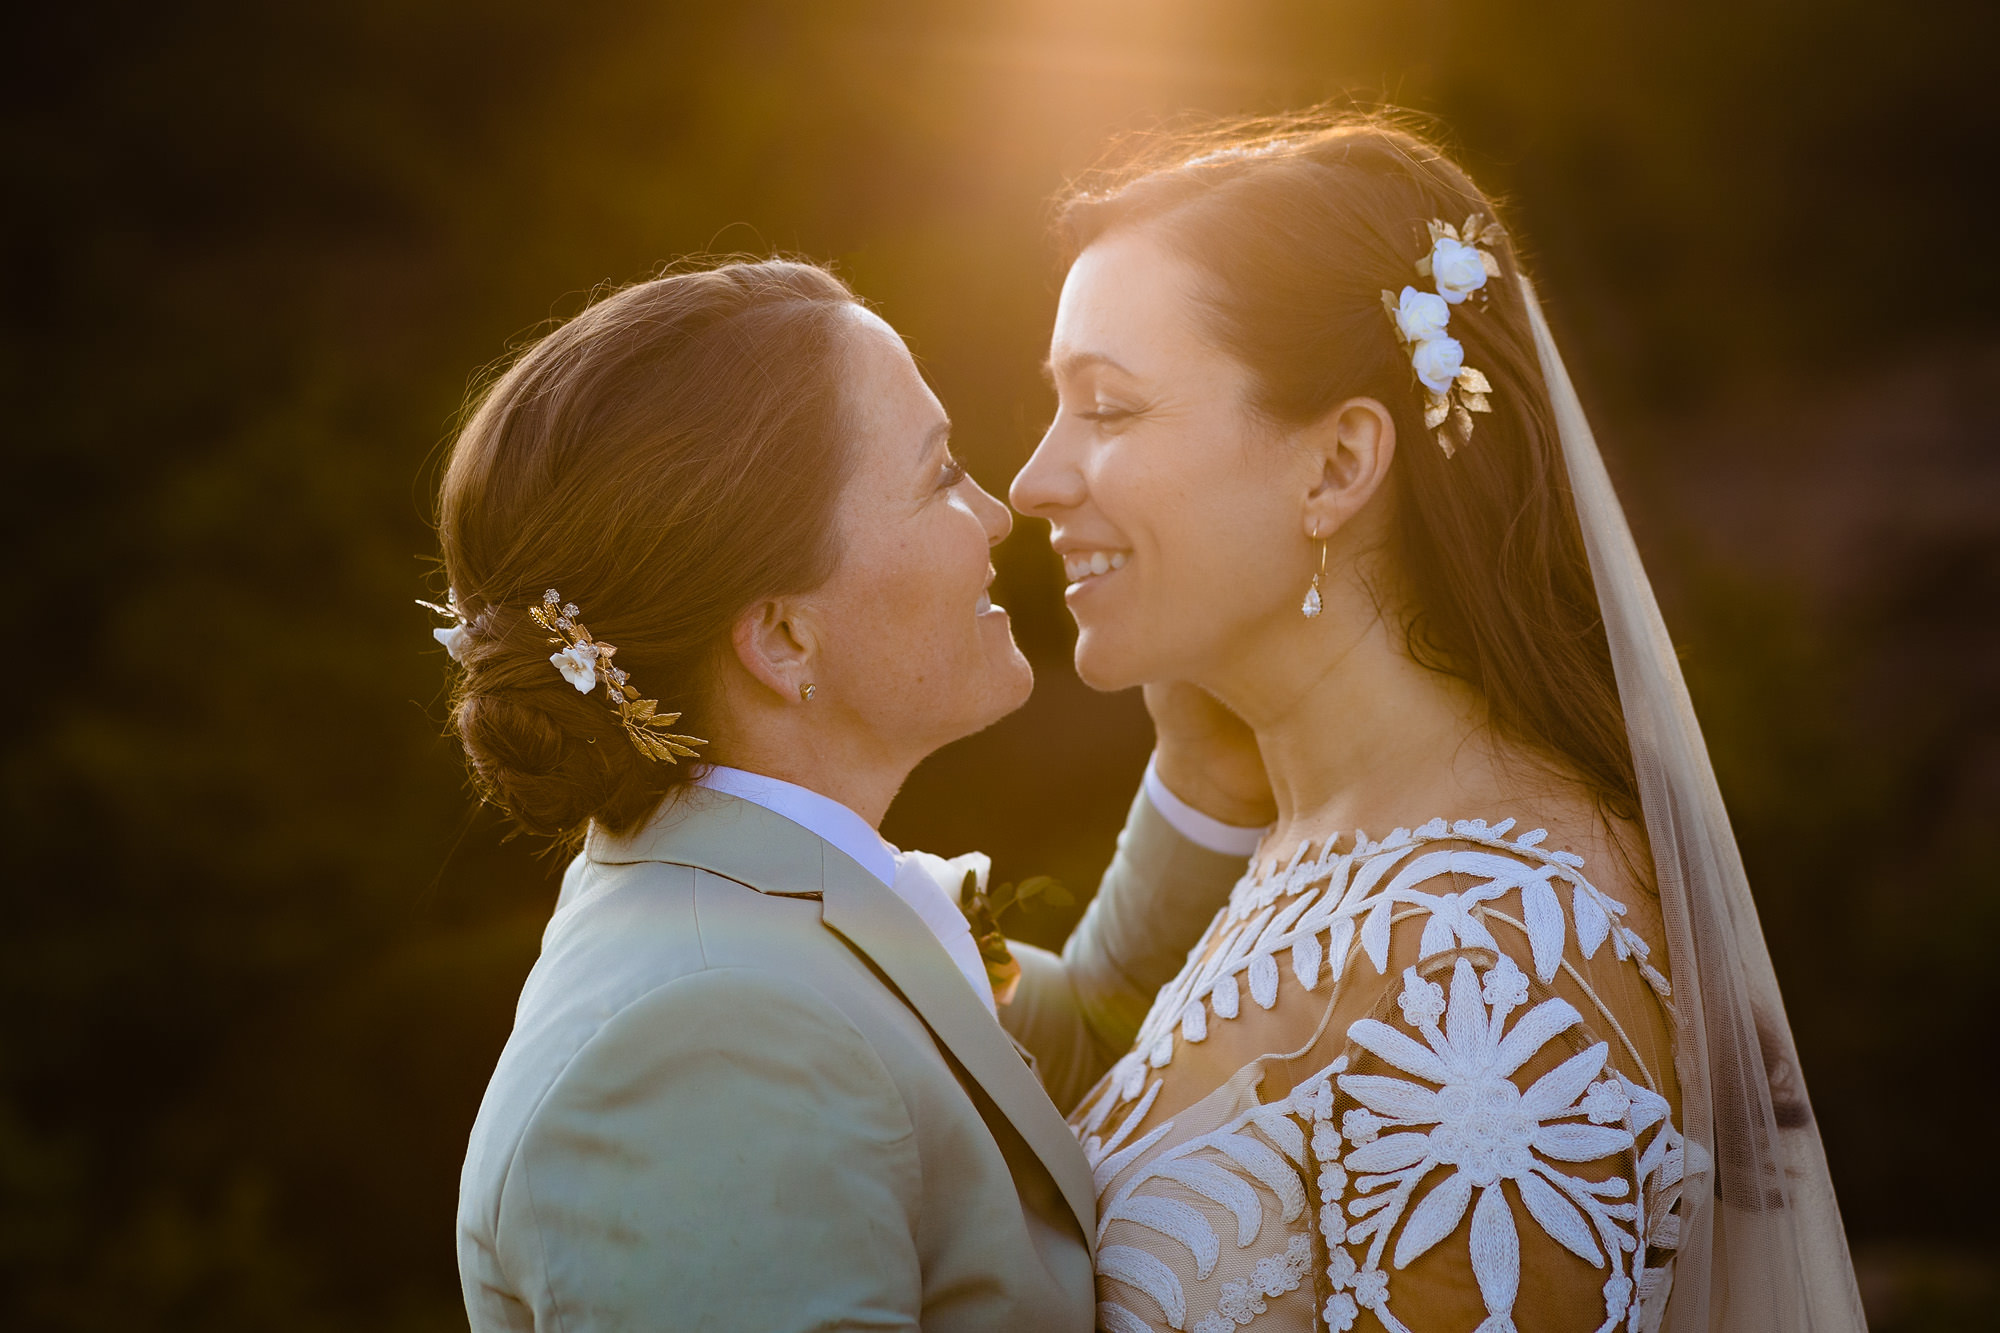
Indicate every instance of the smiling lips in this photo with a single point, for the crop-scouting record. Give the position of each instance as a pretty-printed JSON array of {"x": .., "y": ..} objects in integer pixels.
[{"x": 1081, "y": 566}]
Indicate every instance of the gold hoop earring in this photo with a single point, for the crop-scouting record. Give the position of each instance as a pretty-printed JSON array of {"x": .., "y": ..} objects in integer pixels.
[
  {"x": 806, "y": 693},
  {"x": 1311, "y": 606}
]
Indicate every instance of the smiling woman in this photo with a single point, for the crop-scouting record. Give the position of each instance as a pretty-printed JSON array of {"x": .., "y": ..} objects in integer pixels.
[
  {"x": 903, "y": 648},
  {"x": 1474, "y": 1072},
  {"x": 756, "y": 1078},
  {"x": 562, "y": 478}
]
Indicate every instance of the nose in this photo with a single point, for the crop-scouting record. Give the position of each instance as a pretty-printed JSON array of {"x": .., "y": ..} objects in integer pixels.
[
  {"x": 995, "y": 517},
  {"x": 1051, "y": 480}
]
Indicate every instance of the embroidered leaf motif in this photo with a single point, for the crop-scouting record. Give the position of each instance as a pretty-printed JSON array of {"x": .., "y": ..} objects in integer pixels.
[
  {"x": 1212, "y": 1182},
  {"x": 1545, "y": 928},
  {"x": 1223, "y": 998},
  {"x": 1559, "y": 1217},
  {"x": 1271, "y": 1170},
  {"x": 1434, "y": 1218},
  {"x": 1592, "y": 923},
  {"x": 1145, "y": 1272},
  {"x": 1172, "y": 1218},
  {"x": 1496, "y": 1252},
  {"x": 1115, "y": 1318},
  {"x": 1305, "y": 960},
  {"x": 1264, "y": 980}
]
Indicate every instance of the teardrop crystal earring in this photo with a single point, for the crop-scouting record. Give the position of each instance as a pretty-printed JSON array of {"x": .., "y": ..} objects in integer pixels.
[{"x": 1310, "y": 608}]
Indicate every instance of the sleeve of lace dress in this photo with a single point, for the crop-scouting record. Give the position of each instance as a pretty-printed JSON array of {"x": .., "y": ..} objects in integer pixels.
[
  {"x": 1489, "y": 1147},
  {"x": 1080, "y": 1011}
]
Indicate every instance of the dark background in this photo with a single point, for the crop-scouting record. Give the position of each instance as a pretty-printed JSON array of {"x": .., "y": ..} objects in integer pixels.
[{"x": 257, "y": 958}]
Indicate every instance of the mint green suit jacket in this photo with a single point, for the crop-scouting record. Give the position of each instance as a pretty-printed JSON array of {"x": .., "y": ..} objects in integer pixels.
[{"x": 747, "y": 1089}]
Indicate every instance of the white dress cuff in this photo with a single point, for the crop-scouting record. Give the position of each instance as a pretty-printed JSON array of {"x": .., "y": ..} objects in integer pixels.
[{"x": 1198, "y": 828}]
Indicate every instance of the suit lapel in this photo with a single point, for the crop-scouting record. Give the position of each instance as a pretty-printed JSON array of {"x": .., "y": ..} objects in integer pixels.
[
  {"x": 747, "y": 843},
  {"x": 874, "y": 920}
]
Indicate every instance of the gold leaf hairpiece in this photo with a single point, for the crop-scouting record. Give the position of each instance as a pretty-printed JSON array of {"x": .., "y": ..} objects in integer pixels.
[
  {"x": 583, "y": 660},
  {"x": 1457, "y": 265}
]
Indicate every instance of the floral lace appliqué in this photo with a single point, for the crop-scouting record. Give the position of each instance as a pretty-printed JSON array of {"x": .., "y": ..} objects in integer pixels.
[
  {"x": 1397, "y": 1160},
  {"x": 1474, "y": 1129},
  {"x": 1317, "y": 910}
]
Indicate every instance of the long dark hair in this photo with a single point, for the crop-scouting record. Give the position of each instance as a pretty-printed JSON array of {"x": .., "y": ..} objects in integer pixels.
[
  {"x": 1297, "y": 226},
  {"x": 664, "y": 460}
]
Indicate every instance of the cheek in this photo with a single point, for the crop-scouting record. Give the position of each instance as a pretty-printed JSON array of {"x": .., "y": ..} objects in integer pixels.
[
  {"x": 917, "y": 625},
  {"x": 1199, "y": 526},
  {"x": 1209, "y": 546}
]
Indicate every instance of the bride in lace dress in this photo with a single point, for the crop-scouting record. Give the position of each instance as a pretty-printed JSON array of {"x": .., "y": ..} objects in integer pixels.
[{"x": 1485, "y": 1038}]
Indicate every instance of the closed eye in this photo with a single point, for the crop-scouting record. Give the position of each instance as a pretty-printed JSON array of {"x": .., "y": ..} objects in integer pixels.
[
  {"x": 952, "y": 474},
  {"x": 1107, "y": 416}
]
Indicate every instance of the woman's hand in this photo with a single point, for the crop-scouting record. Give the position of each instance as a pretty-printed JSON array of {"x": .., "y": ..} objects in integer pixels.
[{"x": 1208, "y": 757}]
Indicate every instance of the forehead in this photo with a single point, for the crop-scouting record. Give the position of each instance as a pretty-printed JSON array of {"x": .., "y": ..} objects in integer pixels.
[
  {"x": 886, "y": 394},
  {"x": 1127, "y": 298}
]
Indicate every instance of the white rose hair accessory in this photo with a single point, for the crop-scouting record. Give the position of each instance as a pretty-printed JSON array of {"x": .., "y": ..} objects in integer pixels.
[{"x": 1457, "y": 266}]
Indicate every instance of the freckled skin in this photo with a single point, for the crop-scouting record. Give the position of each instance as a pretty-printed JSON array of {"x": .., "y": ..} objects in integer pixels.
[{"x": 903, "y": 654}]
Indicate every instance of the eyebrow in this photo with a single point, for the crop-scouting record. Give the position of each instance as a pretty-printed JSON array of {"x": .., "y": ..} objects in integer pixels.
[{"x": 1072, "y": 363}]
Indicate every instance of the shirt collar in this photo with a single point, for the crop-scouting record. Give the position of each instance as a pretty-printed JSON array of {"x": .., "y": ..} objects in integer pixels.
[{"x": 817, "y": 814}]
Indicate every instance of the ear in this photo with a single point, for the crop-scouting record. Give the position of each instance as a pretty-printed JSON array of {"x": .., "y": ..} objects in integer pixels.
[
  {"x": 1353, "y": 445},
  {"x": 775, "y": 646}
]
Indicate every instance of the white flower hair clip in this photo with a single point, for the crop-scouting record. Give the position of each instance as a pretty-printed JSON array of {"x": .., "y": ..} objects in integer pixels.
[
  {"x": 452, "y": 636},
  {"x": 583, "y": 661},
  {"x": 1457, "y": 266}
]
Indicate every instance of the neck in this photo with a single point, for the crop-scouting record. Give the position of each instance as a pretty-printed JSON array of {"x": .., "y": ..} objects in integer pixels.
[
  {"x": 817, "y": 751},
  {"x": 1353, "y": 733}
]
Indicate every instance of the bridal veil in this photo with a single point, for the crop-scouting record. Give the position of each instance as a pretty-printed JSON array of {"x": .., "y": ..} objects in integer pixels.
[{"x": 1761, "y": 1246}]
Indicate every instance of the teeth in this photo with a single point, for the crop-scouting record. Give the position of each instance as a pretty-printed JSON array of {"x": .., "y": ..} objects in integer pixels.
[
  {"x": 1078, "y": 565},
  {"x": 985, "y": 604}
]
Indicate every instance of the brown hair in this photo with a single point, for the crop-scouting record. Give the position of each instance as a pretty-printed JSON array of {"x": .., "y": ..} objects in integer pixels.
[
  {"x": 664, "y": 459},
  {"x": 1297, "y": 226}
]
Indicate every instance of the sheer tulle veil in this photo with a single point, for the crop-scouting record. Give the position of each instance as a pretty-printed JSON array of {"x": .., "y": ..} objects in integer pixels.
[{"x": 1761, "y": 1246}]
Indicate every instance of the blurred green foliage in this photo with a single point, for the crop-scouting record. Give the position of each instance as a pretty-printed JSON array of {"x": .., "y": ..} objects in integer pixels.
[{"x": 259, "y": 952}]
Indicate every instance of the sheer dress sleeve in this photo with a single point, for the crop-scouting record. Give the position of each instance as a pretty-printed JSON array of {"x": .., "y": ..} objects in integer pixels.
[
  {"x": 1077, "y": 1012},
  {"x": 1426, "y": 1084}
]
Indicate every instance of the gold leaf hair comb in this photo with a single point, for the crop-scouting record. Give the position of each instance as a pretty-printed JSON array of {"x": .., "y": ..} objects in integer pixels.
[{"x": 583, "y": 660}]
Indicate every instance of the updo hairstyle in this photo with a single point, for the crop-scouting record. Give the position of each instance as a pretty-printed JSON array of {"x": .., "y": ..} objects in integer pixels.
[
  {"x": 665, "y": 459},
  {"x": 1296, "y": 227}
]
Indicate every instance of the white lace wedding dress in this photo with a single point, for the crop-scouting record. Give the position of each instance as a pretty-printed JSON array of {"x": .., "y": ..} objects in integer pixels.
[
  {"x": 1465, "y": 1090},
  {"x": 1422, "y": 1084}
]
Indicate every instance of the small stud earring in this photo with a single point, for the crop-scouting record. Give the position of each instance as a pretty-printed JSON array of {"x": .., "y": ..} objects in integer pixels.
[
  {"x": 1310, "y": 608},
  {"x": 806, "y": 693}
]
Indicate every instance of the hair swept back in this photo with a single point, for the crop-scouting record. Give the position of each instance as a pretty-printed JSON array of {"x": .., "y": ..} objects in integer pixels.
[{"x": 1296, "y": 224}]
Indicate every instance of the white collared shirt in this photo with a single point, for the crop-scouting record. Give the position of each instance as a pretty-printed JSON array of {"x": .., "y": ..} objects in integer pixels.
[
  {"x": 917, "y": 877},
  {"x": 1200, "y": 829},
  {"x": 812, "y": 812},
  {"x": 907, "y": 875}
]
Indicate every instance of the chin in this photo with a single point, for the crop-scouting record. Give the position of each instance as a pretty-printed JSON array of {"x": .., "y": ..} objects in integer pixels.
[
  {"x": 1103, "y": 667},
  {"x": 1005, "y": 689},
  {"x": 1016, "y": 682}
]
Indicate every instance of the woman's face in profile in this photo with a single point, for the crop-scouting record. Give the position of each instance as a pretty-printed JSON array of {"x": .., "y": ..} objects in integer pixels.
[
  {"x": 1176, "y": 511},
  {"x": 910, "y": 640}
]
